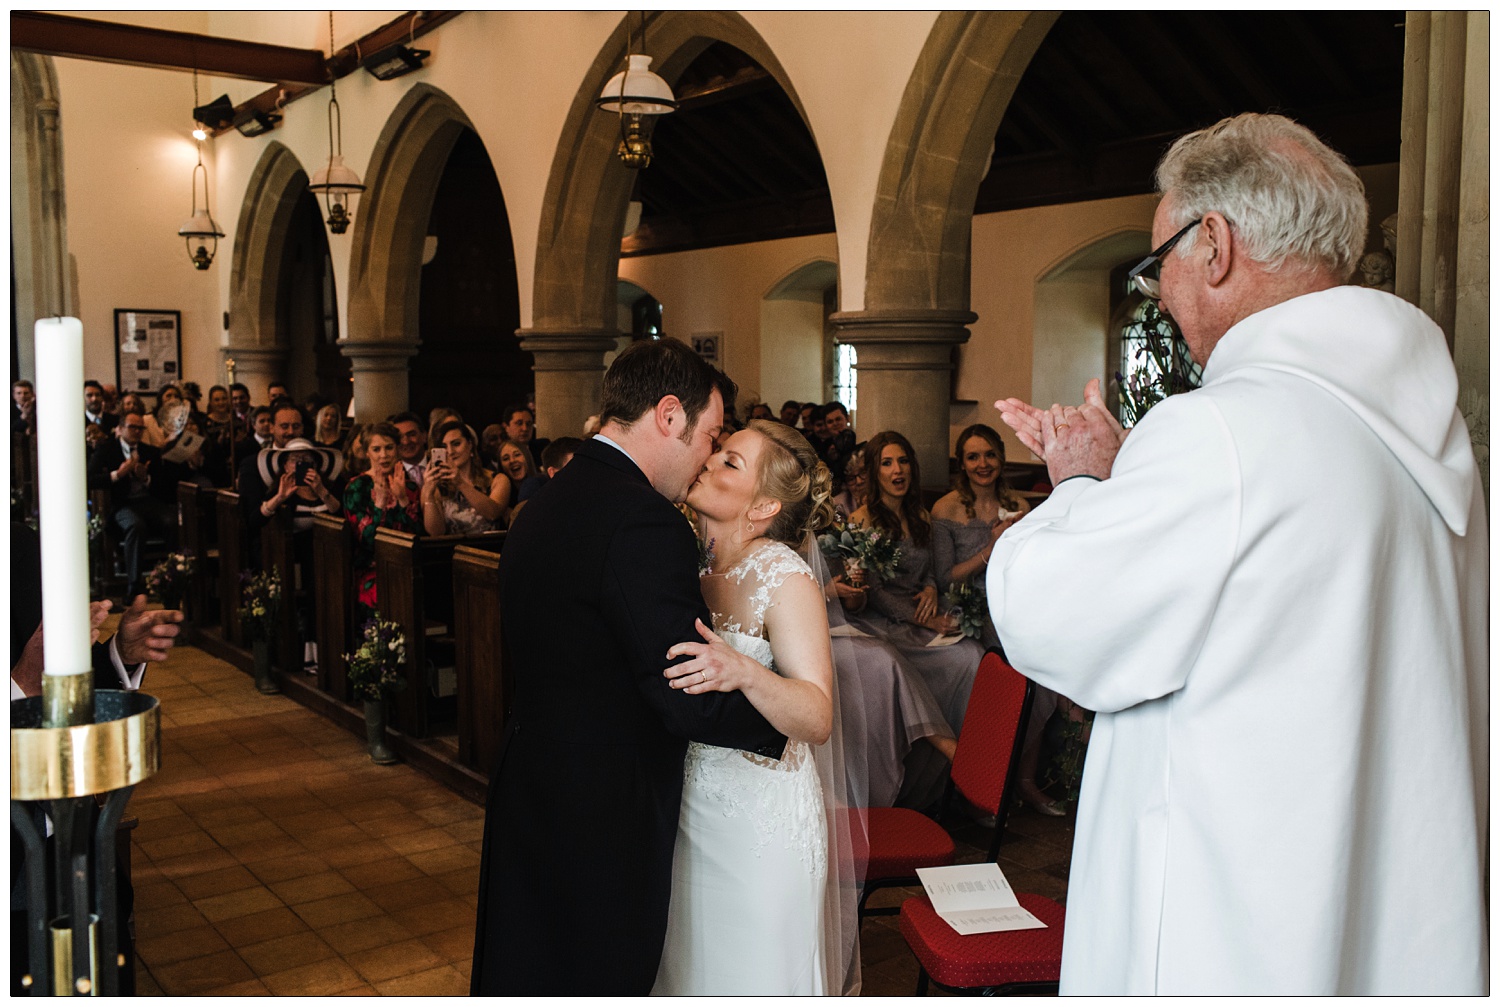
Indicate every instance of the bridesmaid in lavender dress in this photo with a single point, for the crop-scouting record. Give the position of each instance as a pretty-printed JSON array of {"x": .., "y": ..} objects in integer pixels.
[{"x": 965, "y": 526}]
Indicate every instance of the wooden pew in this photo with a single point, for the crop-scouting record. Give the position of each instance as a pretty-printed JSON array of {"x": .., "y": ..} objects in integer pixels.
[
  {"x": 277, "y": 553},
  {"x": 231, "y": 563},
  {"x": 484, "y": 675},
  {"x": 415, "y": 590},
  {"x": 334, "y": 601},
  {"x": 195, "y": 535}
]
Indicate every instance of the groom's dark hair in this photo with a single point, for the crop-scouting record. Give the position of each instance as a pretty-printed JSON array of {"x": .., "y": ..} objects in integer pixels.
[{"x": 648, "y": 371}]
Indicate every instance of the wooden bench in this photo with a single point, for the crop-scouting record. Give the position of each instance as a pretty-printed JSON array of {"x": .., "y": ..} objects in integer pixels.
[
  {"x": 278, "y": 553},
  {"x": 484, "y": 675},
  {"x": 231, "y": 541},
  {"x": 197, "y": 522},
  {"x": 334, "y": 601},
  {"x": 415, "y": 590}
]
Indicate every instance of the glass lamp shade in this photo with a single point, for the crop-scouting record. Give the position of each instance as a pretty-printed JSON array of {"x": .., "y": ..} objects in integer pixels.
[
  {"x": 200, "y": 225},
  {"x": 335, "y": 179},
  {"x": 637, "y": 91}
]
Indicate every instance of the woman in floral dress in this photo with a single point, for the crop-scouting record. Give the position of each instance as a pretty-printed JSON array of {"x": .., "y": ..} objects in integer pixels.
[{"x": 384, "y": 497}]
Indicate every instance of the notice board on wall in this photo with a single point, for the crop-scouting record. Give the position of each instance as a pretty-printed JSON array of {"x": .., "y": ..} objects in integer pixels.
[{"x": 148, "y": 350}]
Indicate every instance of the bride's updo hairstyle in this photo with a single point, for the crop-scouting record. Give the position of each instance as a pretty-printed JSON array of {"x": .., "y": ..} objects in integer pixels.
[{"x": 792, "y": 474}]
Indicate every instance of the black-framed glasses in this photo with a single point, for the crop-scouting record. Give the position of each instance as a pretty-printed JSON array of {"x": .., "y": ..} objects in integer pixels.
[{"x": 1150, "y": 285}]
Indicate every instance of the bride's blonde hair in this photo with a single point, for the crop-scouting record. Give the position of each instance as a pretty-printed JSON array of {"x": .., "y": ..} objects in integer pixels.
[{"x": 792, "y": 474}]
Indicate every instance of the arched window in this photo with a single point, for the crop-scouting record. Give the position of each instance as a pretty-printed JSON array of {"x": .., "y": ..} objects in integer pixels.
[{"x": 1154, "y": 362}]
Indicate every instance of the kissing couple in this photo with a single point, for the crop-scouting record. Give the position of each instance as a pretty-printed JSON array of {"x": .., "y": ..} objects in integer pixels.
[{"x": 668, "y": 812}]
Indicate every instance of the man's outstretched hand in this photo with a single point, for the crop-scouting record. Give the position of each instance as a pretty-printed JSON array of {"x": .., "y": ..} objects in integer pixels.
[
  {"x": 1072, "y": 440},
  {"x": 146, "y": 636}
]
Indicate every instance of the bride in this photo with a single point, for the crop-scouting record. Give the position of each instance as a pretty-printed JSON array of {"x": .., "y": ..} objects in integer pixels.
[{"x": 756, "y": 907}]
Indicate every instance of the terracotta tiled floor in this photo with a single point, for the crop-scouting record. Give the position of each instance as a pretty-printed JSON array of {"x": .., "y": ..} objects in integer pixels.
[{"x": 272, "y": 857}]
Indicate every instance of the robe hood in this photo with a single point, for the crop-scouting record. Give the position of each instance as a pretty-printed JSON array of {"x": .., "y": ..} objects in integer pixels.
[{"x": 1387, "y": 362}]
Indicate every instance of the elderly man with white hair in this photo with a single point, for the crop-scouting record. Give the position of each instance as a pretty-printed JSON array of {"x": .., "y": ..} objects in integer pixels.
[{"x": 1274, "y": 593}]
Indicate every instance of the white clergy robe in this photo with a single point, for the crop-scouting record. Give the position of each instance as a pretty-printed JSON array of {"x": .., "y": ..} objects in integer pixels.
[{"x": 1277, "y": 605}]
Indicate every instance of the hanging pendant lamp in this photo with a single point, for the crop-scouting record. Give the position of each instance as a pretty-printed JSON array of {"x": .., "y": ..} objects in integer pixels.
[
  {"x": 634, "y": 94},
  {"x": 200, "y": 231},
  {"x": 336, "y": 182}
]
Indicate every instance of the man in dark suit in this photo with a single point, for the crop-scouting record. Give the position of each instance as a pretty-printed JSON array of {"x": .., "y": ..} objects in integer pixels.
[
  {"x": 140, "y": 494},
  {"x": 94, "y": 410},
  {"x": 599, "y": 578}
]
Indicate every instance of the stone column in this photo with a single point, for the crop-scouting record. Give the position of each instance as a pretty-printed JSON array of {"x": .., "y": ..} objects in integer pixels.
[
  {"x": 569, "y": 370},
  {"x": 905, "y": 365},
  {"x": 381, "y": 376},
  {"x": 256, "y": 366},
  {"x": 1442, "y": 254}
]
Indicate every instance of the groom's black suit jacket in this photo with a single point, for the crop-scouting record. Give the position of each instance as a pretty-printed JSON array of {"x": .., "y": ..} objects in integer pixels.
[{"x": 598, "y": 580}]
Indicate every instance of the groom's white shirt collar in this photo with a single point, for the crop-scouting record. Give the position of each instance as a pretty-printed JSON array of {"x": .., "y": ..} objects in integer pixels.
[{"x": 627, "y": 454}]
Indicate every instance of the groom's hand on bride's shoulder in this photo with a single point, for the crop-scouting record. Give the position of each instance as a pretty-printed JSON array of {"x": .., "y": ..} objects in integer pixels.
[{"x": 712, "y": 666}]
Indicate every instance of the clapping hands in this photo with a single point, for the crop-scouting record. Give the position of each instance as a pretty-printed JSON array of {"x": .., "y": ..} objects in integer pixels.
[{"x": 1072, "y": 440}]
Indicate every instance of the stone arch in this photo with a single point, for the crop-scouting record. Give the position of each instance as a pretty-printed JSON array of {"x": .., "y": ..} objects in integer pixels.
[
  {"x": 916, "y": 298},
  {"x": 938, "y": 154},
  {"x": 257, "y": 347},
  {"x": 578, "y": 242},
  {"x": 41, "y": 267},
  {"x": 386, "y": 258}
]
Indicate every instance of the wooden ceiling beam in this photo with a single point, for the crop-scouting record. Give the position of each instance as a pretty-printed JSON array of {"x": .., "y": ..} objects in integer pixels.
[{"x": 132, "y": 45}]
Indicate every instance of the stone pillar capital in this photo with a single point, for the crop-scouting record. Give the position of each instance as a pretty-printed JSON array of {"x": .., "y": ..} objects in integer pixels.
[
  {"x": 569, "y": 369},
  {"x": 904, "y": 365},
  {"x": 378, "y": 355}
]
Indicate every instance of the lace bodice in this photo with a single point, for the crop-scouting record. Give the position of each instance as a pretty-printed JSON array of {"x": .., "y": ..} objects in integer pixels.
[
  {"x": 780, "y": 797},
  {"x": 740, "y": 596}
]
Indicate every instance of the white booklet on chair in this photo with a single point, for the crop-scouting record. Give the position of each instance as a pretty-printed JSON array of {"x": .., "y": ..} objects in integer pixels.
[{"x": 975, "y": 899}]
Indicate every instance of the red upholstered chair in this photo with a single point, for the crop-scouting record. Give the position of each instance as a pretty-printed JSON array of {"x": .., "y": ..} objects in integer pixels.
[
  {"x": 1014, "y": 961},
  {"x": 989, "y": 748}
]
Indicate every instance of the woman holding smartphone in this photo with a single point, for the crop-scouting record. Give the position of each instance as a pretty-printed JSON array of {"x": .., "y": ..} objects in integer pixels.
[{"x": 459, "y": 496}]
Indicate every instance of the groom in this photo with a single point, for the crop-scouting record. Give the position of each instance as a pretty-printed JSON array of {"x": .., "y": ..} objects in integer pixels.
[{"x": 598, "y": 579}]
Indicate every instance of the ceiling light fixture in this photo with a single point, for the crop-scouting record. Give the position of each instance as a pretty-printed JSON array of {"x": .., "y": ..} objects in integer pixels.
[
  {"x": 200, "y": 231},
  {"x": 335, "y": 182},
  {"x": 635, "y": 94}
]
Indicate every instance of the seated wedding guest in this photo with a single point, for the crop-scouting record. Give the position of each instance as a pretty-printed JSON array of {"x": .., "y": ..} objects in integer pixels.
[
  {"x": 203, "y": 466},
  {"x": 239, "y": 404},
  {"x": 520, "y": 427},
  {"x": 839, "y": 440},
  {"x": 555, "y": 458},
  {"x": 93, "y": 436},
  {"x": 141, "y": 501},
  {"x": 490, "y": 440},
  {"x": 276, "y": 391},
  {"x": 219, "y": 422},
  {"x": 805, "y": 418},
  {"x": 23, "y": 407},
  {"x": 301, "y": 477},
  {"x": 906, "y": 610},
  {"x": 356, "y": 460},
  {"x": 193, "y": 396},
  {"x": 856, "y": 485},
  {"x": 166, "y": 400},
  {"x": 965, "y": 526},
  {"x": 761, "y": 411},
  {"x": 285, "y": 426},
  {"x": 516, "y": 464},
  {"x": 412, "y": 446},
  {"x": 791, "y": 412},
  {"x": 326, "y": 427},
  {"x": 460, "y": 496},
  {"x": 436, "y": 417},
  {"x": 384, "y": 497},
  {"x": 94, "y": 410}
]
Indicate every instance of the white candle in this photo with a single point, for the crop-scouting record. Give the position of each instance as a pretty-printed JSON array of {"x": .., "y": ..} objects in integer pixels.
[{"x": 63, "y": 489}]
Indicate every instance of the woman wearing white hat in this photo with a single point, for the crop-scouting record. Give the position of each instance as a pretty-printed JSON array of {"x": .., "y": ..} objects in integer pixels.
[{"x": 300, "y": 474}]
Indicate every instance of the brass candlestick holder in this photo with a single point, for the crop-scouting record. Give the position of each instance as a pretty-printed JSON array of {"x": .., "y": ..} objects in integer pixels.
[{"x": 76, "y": 753}]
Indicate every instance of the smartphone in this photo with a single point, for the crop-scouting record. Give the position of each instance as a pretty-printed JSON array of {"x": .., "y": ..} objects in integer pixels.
[
  {"x": 439, "y": 456},
  {"x": 303, "y": 468}
]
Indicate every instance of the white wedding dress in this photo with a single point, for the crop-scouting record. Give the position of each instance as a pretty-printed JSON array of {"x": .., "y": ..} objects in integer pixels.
[{"x": 750, "y": 870}]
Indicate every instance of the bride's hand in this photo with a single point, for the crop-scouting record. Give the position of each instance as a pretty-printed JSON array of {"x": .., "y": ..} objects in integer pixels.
[{"x": 713, "y": 666}]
